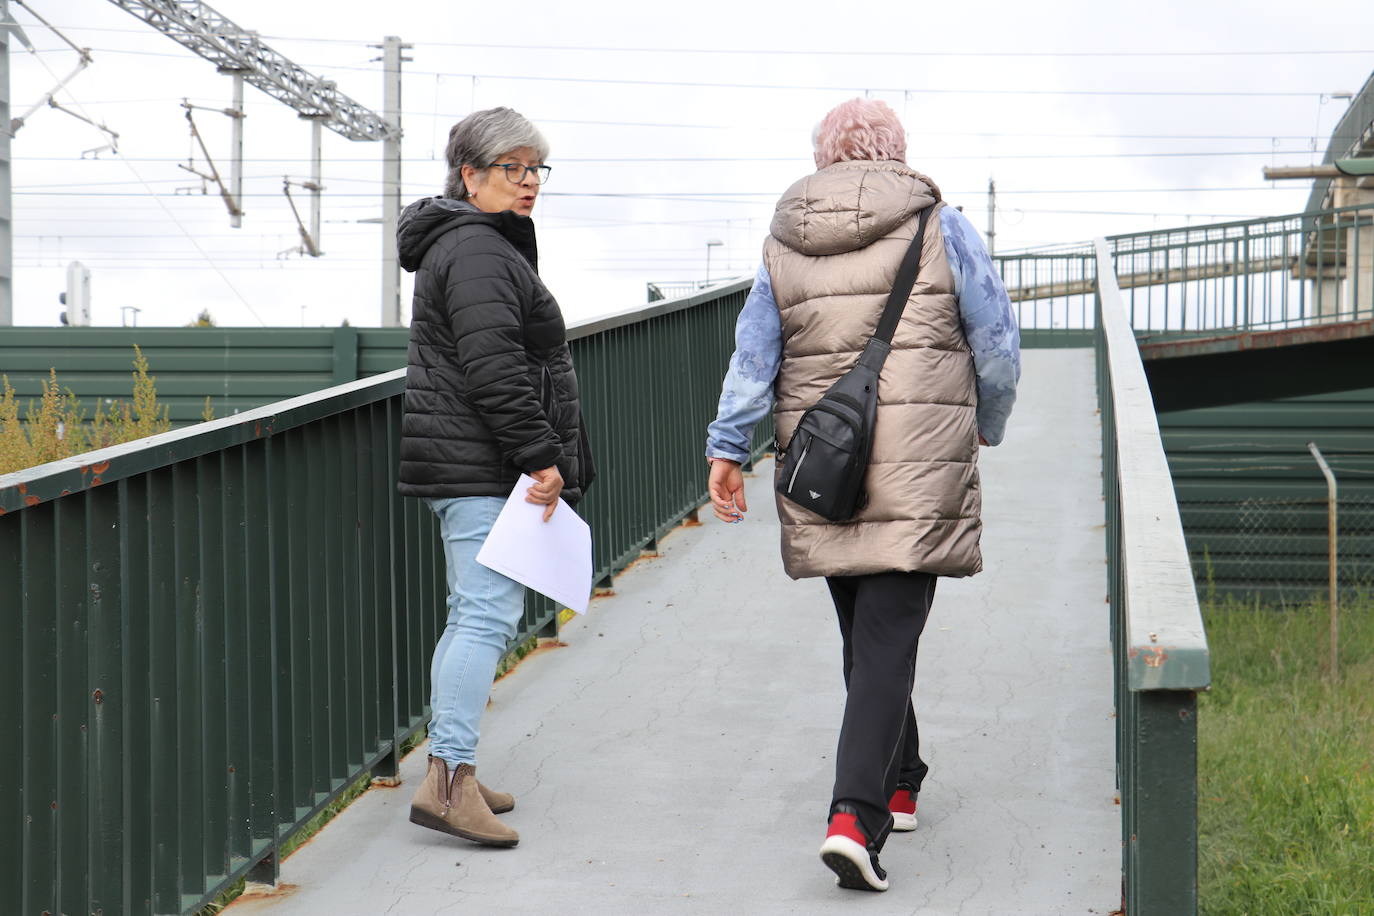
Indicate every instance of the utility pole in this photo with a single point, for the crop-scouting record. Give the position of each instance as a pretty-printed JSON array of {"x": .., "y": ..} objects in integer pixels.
[
  {"x": 316, "y": 177},
  {"x": 237, "y": 114},
  {"x": 992, "y": 216},
  {"x": 391, "y": 179},
  {"x": 241, "y": 53},
  {"x": 7, "y": 26}
]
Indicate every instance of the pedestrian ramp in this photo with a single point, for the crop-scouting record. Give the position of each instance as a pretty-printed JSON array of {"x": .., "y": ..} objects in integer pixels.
[{"x": 676, "y": 753}]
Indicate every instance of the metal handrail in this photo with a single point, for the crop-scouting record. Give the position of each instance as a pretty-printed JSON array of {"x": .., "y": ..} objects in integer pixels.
[
  {"x": 71, "y": 475},
  {"x": 1166, "y": 644},
  {"x": 66, "y": 476},
  {"x": 1160, "y": 653}
]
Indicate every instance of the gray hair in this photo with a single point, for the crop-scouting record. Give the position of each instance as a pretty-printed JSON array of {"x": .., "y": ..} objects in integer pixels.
[{"x": 483, "y": 137}]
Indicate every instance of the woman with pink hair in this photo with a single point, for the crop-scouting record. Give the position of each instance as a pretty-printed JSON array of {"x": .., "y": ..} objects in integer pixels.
[{"x": 947, "y": 386}]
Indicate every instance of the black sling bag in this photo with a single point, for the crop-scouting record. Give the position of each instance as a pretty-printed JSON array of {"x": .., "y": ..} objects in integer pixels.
[{"x": 824, "y": 464}]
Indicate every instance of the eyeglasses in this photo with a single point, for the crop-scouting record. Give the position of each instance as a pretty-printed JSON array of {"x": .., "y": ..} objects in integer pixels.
[{"x": 515, "y": 172}]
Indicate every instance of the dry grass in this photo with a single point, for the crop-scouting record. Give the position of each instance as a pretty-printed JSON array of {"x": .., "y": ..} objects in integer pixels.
[{"x": 56, "y": 426}]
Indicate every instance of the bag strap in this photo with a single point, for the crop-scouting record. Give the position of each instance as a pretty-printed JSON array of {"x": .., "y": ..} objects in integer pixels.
[{"x": 906, "y": 279}]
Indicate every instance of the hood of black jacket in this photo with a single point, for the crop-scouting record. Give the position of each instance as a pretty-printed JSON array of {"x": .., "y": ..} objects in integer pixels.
[{"x": 421, "y": 224}]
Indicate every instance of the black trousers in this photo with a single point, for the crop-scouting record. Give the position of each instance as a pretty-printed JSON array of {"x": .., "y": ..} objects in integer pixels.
[{"x": 881, "y": 618}]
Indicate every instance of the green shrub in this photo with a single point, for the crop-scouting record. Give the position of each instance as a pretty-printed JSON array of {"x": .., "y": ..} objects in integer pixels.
[{"x": 56, "y": 426}]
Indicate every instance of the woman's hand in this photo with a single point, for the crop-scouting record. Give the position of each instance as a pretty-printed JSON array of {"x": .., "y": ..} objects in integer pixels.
[
  {"x": 548, "y": 483},
  {"x": 726, "y": 486}
]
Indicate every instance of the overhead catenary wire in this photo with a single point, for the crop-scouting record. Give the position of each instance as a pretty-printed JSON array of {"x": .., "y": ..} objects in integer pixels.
[
  {"x": 727, "y": 202},
  {"x": 982, "y": 134},
  {"x": 796, "y": 52},
  {"x": 189, "y": 236},
  {"x": 663, "y": 160},
  {"x": 697, "y": 196},
  {"x": 796, "y": 87},
  {"x": 708, "y": 160}
]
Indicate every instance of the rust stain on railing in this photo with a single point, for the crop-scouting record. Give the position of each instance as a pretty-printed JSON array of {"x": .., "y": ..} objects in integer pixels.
[{"x": 1152, "y": 656}]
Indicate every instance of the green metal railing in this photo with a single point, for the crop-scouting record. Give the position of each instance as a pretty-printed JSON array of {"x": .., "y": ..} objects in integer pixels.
[
  {"x": 213, "y": 632},
  {"x": 1160, "y": 649},
  {"x": 1052, "y": 291},
  {"x": 1266, "y": 274},
  {"x": 1261, "y": 274}
]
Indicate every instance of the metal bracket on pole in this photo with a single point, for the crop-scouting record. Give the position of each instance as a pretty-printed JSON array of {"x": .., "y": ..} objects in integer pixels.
[
  {"x": 112, "y": 146},
  {"x": 48, "y": 98},
  {"x": 310, "y": 238},
  {"x": 309, "y": 244},
  {"x": 235, "y": 212}
]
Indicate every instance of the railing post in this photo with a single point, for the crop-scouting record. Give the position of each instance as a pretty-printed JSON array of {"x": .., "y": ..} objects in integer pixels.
[
  {"x": 550, "y": 629},
  {"x": 386, "y": 771},
  {"x": 1333, "y": 595},
  {"x": 1161, "y": 804},
  {"x": 268, "y": 869}
]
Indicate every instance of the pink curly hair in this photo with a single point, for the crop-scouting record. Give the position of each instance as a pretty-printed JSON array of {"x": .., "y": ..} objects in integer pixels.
[{"x": 859, "y": 129}]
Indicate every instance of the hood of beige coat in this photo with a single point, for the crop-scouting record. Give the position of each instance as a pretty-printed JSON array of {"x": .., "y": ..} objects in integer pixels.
[{"x": 849, "y": 205}]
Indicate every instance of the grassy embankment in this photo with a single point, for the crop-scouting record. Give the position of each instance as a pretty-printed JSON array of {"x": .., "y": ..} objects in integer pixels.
[{"x": 1286, "y": 763}]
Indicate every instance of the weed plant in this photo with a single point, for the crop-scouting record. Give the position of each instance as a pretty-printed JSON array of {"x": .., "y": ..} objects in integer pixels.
[
  {"x": 1286, "y": 762},
  {"x": 57, "y": 425}
]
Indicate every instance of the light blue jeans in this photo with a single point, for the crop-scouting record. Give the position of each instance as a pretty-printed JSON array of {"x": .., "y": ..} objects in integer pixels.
[{"x": 484, "y": 609}]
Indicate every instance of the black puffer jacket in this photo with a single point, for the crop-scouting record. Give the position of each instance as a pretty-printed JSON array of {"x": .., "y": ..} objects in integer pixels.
[{"x": 490, "y": 387}]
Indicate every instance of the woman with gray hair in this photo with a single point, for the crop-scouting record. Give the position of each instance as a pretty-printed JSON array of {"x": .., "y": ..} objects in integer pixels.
[
  {"x": 490, "y": 394},
  {"x": 947, "y": 386}
]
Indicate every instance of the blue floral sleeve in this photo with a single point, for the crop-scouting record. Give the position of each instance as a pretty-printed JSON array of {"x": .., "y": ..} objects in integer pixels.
[
  {"x": 989, "y": 324},
  {"x": 747, "y": 393}
]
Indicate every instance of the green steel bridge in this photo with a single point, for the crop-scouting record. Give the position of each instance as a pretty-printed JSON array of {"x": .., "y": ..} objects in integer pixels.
[{"x": 218, "y": 630}]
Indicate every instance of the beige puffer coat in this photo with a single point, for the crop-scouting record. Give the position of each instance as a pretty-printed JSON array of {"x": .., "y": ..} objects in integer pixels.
[{"x": 837, "y": 239}]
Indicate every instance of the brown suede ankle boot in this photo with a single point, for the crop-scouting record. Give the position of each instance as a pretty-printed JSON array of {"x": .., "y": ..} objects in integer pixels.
[
  {"x": 451, "y": 802},
  {"x": 498, "y": 802}
]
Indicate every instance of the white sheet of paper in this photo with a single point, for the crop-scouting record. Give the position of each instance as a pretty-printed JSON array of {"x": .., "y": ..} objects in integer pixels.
[{"x": 554, "y": 558}]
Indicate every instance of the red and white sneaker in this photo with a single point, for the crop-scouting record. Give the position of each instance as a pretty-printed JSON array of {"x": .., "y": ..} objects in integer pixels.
[
  {"x": 845, "y": 852},
  {"x": 903, "y": 808}
]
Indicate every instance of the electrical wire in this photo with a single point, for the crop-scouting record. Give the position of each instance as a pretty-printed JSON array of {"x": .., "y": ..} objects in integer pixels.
[
  {"x": 790, "y": 52},
  {"x": 735, "y": 198},
  {"x": 697, "y": 84},
  {"x": 593, "y": 160},
  {"x": 665, "y": 160},
  {"x": 191, "y": 238}
]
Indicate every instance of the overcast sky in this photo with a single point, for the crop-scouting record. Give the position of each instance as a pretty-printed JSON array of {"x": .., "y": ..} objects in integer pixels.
[{"x": 671, "y": 125}]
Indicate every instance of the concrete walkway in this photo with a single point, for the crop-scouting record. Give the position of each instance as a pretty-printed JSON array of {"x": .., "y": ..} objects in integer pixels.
[{"x": 676, "y": 756}]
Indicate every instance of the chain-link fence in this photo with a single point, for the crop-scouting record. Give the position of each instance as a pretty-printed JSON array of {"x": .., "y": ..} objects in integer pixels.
[{"x": 1276, "y": 548}]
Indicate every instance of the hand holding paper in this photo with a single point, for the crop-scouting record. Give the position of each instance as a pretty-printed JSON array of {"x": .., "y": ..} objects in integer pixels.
[
  {"x": 548, "y": 483},
  {"x": 553, "y": 557}
]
